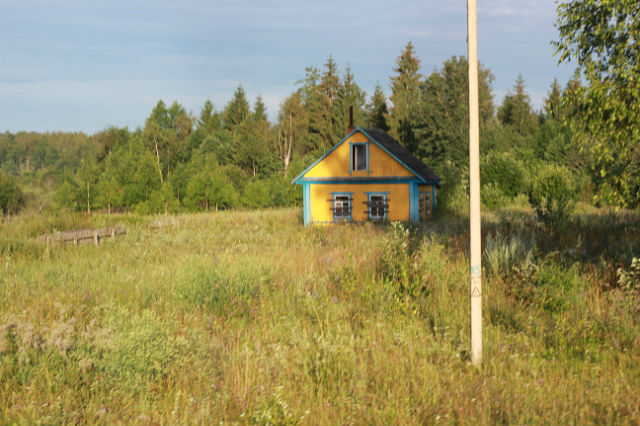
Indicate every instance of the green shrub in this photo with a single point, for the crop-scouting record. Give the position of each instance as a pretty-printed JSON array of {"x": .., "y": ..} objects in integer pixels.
[
  {"x": 556, "y": 288},
  {"x": 399, "y": 267},
  {"x": 256, "y": 194},
  {"x": 210, "y": 189},
  {"x": 453, "y": 196},
  {"x": 163, "y": 200},
  {"x": 553, "y": 194},
  {"x": 505, "y": 173},
  {"x": 11, "y": 197},
  {"x": 492, "y": 196},
  {"x": 503, "y": 254}
]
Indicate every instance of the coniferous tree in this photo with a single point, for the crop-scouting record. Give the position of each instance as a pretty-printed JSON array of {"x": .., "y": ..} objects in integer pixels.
[
  {"x": 236, "y": 111},
  {"x": 330, "y": 86},
  {"x": 260, "y": 110},
  {"x": 553, "y": 102},
  {"x": 441, "y": 118},
  {"x": 405, "y": 84},
  {"x": 377, "y": 110},
  {"x": 206, "y": 113},
  {"x": 516, "y": 110},
  {"x": 349, "y": 95},
  {"x": 312, "y": 99},
  {"x": 250, "y": 149}
]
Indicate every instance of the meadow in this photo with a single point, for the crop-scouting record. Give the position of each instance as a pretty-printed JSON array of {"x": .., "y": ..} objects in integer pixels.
[{"x": 246, "y": 317}]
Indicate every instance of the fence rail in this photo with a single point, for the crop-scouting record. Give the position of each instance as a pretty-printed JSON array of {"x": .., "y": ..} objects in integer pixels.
[{"x": 84, "y": 235}]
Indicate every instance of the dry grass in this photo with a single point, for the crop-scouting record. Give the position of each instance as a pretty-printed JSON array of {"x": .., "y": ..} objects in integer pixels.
[{"x": 247, "y": 317}]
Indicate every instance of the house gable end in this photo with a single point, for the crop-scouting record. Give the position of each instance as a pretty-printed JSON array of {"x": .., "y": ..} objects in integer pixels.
[{"x": 337, "y": 163}]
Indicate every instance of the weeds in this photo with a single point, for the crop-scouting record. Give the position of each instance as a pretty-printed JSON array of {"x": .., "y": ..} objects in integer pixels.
[
  {"x": 247, "y": 317},
  {"x": 399, "y": 268},
  {"x": 503, "y": 255}
]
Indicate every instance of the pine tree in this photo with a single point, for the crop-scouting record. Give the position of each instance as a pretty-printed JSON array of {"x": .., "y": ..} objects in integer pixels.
[
  {"x": 377, "y": 110},
  {"x": 237, "y": 110},
  {"x": 330, "y": 86},
  {"x": 259, "y": 110},
  {"x": 312, "y": 99},
  {"x": 516, "y": 110},
  {"x": 553, "y": 102},
  {"x": 350, "y": 95},
  {"x": 441, "y": 119},
  {"x": 405, "y": 86},
  {"x": 209, "y": 120}
]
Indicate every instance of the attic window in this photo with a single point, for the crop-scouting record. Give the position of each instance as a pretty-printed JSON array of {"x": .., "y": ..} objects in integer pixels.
[{"x": 359, "y": 157}]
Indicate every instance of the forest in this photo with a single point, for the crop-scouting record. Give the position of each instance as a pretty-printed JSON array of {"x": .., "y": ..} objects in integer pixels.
[{"x": 234, "y": 157}]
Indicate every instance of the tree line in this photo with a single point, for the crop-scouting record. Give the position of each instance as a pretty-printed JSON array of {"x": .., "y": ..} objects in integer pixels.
[{"x": 584, "y": 137}]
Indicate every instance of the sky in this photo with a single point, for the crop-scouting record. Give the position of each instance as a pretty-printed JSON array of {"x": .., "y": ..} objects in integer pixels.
[{"x": 77, "y": 65}]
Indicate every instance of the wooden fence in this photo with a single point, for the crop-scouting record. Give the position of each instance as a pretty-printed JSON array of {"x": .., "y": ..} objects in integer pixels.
[{"x": 84, "y": 235}]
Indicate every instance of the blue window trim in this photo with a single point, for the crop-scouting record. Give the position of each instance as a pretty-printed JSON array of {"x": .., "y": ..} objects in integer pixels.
[
  {"x": 351, "y": 146},
  {"x": 386, "y": 211},
  {"x": 350, "y": 195}
]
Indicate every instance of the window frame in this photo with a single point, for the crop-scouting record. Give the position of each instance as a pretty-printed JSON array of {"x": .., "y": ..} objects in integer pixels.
[
  {"x": 352, "y": 158},
  {"x": 334, "y": 196},
  {"x": 385, "y": 199},
  {"x": 427, "y": 203}
]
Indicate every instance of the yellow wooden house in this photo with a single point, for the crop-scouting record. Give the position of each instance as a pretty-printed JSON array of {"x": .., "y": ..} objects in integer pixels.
[{"x": 366, "y": 176}]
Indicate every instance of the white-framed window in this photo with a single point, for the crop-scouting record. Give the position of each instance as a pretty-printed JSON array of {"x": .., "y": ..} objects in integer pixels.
[
  {"x": 359, "y": 157},
  {"x": 377, "y": 205},
  {"x": 342, "y": 206},
  {"x": 421, "y": 205},
  {"x": 427, "y": 202}
]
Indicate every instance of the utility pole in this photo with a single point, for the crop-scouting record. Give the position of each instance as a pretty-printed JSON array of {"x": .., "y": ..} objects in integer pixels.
[{"x": 475, "y": 217}]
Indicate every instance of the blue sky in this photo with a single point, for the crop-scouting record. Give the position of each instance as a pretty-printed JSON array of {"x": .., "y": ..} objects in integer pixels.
[{"x": 73, "y": 65}]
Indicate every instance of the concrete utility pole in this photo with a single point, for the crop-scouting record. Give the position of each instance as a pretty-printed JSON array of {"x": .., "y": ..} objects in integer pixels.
[{"x": 474, "y": 185}]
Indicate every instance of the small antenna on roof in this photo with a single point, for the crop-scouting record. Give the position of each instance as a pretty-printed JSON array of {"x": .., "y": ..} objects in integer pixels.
[{"x": 350, "y": 129}]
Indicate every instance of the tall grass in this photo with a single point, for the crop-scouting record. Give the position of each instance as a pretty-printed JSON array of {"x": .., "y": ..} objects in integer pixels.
[{"x": 249, "y": 318}]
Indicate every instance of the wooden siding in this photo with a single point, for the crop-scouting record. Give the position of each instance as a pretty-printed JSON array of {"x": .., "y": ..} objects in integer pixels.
[
  {"x": 338, "y": 162},
  {"x": 321, "y": 200}
]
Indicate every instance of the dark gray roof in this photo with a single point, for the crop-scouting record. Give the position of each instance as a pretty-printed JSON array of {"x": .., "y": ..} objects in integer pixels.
[{"x": 401, "y": 153}]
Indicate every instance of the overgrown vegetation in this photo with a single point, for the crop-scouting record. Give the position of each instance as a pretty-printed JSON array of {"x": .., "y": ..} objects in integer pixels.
[{"x": 249, "y": 317}]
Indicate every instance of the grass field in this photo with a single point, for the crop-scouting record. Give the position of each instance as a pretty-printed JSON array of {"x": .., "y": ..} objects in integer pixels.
[{"x": 249, "y": 318}]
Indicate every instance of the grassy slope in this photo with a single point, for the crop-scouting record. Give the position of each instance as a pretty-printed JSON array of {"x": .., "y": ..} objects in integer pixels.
[{"x": 248, "y": 317}]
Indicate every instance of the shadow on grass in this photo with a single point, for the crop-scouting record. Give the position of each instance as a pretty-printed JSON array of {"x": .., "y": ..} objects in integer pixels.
[{"x": 605, "y": 240}]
